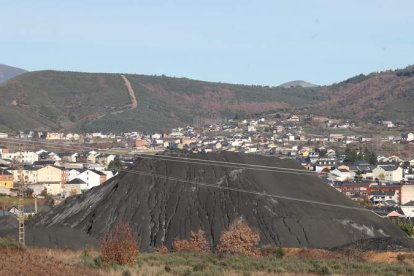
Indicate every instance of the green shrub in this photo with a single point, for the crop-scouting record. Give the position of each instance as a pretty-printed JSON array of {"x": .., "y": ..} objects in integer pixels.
[
  {"x": 272, "y": 251},
  {"x": 91, "y": 262},
  {"x": 9, "y": 242},
  {"x": 406, "y": 226},
  {"x": 200, "y": 267},
  {"x": 401, "y": 257}
]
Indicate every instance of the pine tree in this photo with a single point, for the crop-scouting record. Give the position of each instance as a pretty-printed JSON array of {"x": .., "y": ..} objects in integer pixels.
[
  {"x": 351, "y": 155},
  {"x": 115, "y": 165},
  {"x": 367, "y": 154},
  {"x": 373, "y": 158},
  {"x": 360, "y": 155}
]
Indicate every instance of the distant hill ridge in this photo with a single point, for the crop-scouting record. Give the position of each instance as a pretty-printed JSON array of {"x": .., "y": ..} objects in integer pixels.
[
  {"x": 55, "y": 100},
  {"x": 7, "y": 72},
  {"x": 297, "y": 83}
]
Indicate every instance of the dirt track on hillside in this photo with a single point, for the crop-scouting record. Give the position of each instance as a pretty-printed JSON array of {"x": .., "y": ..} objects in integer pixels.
[
  {"x": 133, "y": 105},
  {"x": 131, "y": 92}
]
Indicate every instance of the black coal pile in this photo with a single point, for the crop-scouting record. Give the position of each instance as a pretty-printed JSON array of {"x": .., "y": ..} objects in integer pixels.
[
  {"x": 8, "y": 222},
  {"x": 53, "y": 237},
  {"x": 377, "y": 244},
  {"x": 160, "y": 208},
  {"x": 50, "y": 237}
]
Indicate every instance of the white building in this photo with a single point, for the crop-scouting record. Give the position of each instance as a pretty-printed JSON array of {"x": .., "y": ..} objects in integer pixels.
[
  {"x": 92, "y": 178},
  {"x": 407, "y": 193},
  {"x": 408, "y": 209},
  {"x": 73, "y": 136},
  {"x": 27, "y": 157},
  {"x": 72, "y": 174},
  {"x": 382, "y": 196},
  {"x": 251, "y": 128},
  {"x": 388, "y": 173},
  {"x": 156, "y": 136},
  {"x": 407, "y": 137},
  {"x": 293, "y": 118},
  {"x": 341, "y": 175}
]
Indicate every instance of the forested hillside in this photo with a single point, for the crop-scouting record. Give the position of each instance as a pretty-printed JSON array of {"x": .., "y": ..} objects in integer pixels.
[
  {"x": 53, "y": 100},
  {"x": 85, "y": 101}
]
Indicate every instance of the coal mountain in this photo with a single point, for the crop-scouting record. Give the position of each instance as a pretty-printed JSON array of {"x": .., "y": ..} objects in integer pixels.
[{"x": 161, "y": 200}]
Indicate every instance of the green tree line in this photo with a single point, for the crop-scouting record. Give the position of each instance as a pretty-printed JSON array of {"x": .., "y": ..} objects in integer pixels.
[{"x": 352, "y": 155}]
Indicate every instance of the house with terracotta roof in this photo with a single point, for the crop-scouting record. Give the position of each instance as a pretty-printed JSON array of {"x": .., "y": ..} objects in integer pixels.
[{"x": 394, "y": 214}]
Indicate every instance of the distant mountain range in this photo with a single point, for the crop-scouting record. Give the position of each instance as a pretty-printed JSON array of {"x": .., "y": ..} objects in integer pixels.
[
  {"x": 54, "y": 100},
  {"x": 297, "y": 83},
  {"x": 8, "y": 72}
]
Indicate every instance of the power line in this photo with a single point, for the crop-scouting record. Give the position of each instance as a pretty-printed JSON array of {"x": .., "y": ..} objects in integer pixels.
[
  {"x": 239, "y": 166},
  {"x": 243, "y": 190},
  {"x": 121, "y": 151},
  {"x": 222, "y": 162},
  {"x": 196, "y": 161},
  {"x": 237, "y": 189},
  {"x": 20, "y": 206}
]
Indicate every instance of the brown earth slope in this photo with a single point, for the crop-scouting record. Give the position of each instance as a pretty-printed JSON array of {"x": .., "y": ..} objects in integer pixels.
[{"x": 378, "y": 96}]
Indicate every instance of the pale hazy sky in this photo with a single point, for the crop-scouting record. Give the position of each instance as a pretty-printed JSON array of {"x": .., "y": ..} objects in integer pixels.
[{"x": 250, "y": 42}]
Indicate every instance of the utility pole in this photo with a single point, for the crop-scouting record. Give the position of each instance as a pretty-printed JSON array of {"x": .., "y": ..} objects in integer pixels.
[
  {"x": 35, "y": 198},
  {"x": 21, "y": 196}
]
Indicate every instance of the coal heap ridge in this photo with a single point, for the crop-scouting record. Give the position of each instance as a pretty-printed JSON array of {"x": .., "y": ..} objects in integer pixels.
[{"x": 161, "y": 210}]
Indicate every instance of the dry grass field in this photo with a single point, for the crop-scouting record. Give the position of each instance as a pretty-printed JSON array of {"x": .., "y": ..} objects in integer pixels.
[
  {"x": 30, "y": 261},
  {"x": 15, "y": 261}
]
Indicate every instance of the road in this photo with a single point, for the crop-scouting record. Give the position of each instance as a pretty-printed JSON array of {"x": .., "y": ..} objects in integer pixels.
[{"x": 131, "y": 92}]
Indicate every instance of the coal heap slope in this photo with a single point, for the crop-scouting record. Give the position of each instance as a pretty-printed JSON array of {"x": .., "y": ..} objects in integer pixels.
[
  {"x": 161, "y": 210},
  {"x": 50, "y": 237}
]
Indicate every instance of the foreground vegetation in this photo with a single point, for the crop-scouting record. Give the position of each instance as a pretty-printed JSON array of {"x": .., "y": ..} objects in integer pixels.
[
  {"x": 237, "y": 252},
  {"x": 406, "y": 226},
  {"x": 16, "y": 261},
  {"x": 187, "y": 263}
]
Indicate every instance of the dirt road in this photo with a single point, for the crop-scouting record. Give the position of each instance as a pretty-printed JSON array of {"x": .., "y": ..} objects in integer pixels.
[{"x": 131, "y": 92}]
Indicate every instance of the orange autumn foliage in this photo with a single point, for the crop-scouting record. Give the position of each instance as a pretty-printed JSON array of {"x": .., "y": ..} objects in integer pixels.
[
  {"x": 120, "y": 246},
  {"x": 239, "y": 239},
  {"x": 196, "y": 243}
]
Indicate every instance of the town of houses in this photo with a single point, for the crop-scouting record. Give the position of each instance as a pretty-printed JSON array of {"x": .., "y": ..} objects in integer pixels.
[
  {"x": 386, "y": 182},
  {"x": 46, "y": 172}
]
